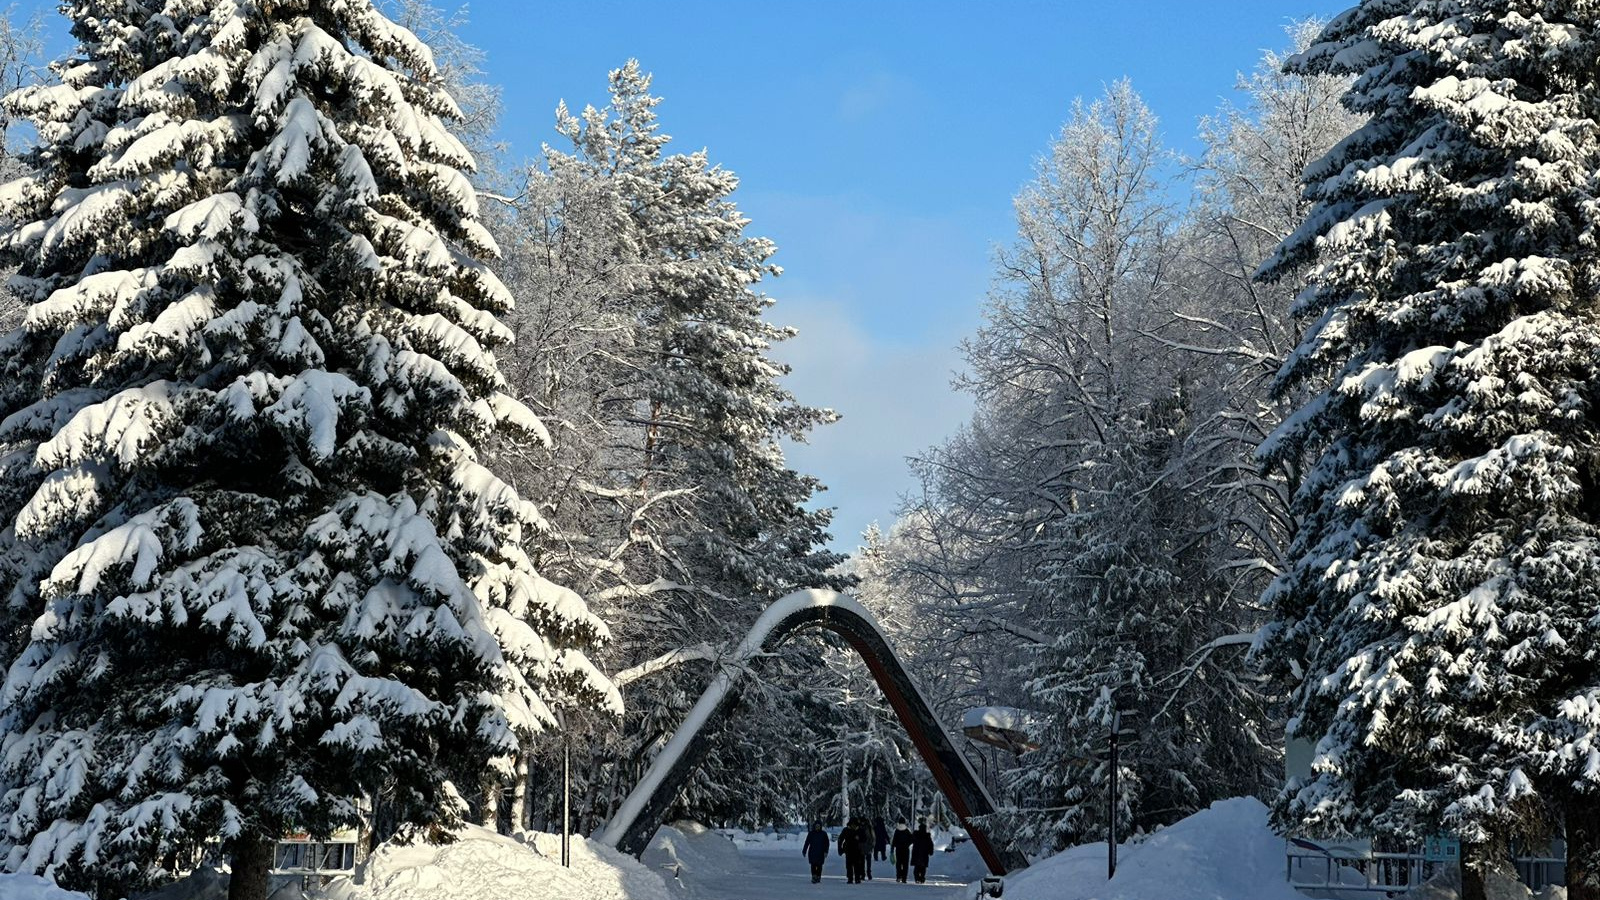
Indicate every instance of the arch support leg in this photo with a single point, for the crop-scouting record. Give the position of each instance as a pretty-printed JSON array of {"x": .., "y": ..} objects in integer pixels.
[{"x": 635, "y": 823}]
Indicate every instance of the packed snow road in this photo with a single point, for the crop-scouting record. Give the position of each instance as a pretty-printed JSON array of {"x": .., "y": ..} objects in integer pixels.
[
  {"x": 709, "y": 866},
  {"x": 785, "y": 875}
]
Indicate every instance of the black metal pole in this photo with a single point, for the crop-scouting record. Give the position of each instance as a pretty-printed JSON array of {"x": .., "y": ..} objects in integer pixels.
[
  {"x": 566, "y": 802},
  {"x": 1111, "y": 805}
]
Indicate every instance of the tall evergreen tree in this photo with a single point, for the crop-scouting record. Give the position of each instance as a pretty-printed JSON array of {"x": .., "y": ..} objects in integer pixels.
[
  {"x": 253, "y": 570},
  {"x": 708, "y": 409},
  {"x": 1442, "y": 600},
  {"x": 680, "y": 516}
]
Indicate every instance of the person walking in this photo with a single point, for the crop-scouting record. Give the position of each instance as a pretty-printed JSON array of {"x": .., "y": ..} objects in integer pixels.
[
  {"x": 815, "y": 850},
  {"x": 901, "y": 844},
  {"x": 880, "y": 838},
  {"x": 864, "y": 839},
  {"x": 921, "y": 851},
  {"x": 850, "y": 849}
]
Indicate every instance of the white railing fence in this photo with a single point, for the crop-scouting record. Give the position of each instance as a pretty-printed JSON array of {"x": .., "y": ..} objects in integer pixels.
[
  {"x": 1329, "y": 872},
  {"x": 308, "y": 857}
]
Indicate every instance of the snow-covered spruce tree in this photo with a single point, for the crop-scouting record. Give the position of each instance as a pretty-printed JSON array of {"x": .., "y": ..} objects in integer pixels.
[
  {"x": 679, "y": 514},
  {"x": 708, "y": 410},
  {"x": 253, "y": 571},
  {"x": 1443, "y": 594}
]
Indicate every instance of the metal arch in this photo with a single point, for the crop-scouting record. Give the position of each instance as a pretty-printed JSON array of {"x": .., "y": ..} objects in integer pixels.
[{"x": 950, "y": 769}]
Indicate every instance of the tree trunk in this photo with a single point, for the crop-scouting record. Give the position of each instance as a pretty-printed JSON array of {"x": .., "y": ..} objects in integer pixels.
[
  {"x": 252, "y": 859},
  {"x": 519, "y": 795},
  {"x": 1473, "y": 872},
  {"x": 490, "y": 814},
  {"x": 1478, "y": 862},
  {"x": 1582, "y": 814}
]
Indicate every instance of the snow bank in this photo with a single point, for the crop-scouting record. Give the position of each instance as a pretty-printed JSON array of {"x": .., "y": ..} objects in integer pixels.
[
  {"x": 1227, "y": 852},
  {"x": 483, "y": 865},
  {"x": 691, "y": 847},
  {"x": 764, "y": 841},
  {"x": 32, "y": 887},
  {"x": 480, "y": 865},
  {"x": 1447, "y": 886},
  {"x": 964, "y": 863}
]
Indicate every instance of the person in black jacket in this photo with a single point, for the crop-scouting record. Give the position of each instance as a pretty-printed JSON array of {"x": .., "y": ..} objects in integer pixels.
[
  {"x": 880, "y": 838},
  {"x": 851, "y": 848},
  {"x": 864, "y": 838},
  {"x": 921, "y": 850},
  {"x": 815, "y": 850},
  {"x": 901, "y": 843}
]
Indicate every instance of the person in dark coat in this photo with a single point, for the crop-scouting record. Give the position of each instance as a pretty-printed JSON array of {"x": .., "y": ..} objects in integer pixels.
[
  {"x": 815, "y": 850},
  {"x": 880, "y": 838},
  {"x": 901, "y": 844},
  {"x": 921, "y": 850},
  {"x": 864, "y": 838},
  {"x": 850, "y": 847}
]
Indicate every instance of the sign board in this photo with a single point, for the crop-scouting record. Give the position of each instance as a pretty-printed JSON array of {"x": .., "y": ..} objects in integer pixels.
[{"x": 1441, "y": 848}]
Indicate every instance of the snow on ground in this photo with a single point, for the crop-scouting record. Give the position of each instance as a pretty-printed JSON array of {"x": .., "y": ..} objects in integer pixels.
[
  {"x": 1227, "y": 852},
  {"x": 771, "y": 867},
  {"x": 205, "y": 883},
  {"x": 1448, "y": 887},
  {"x": 964, "y": 863},
  {"x": 32, "y": 887},
  {"x": 479, "y": 865},
  {"x": 766, "y": 840},
  {"x": 690, "y": 851},
  {"x": 483, "y": 865}
]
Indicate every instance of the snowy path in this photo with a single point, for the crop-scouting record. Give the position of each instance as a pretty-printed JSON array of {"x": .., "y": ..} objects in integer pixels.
[{"x": 784, "y": 875}]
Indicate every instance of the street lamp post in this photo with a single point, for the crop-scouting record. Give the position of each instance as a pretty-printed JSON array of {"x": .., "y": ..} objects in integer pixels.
[
  {"x": 566, "y": 801},
  {"x": 1111, "y": 801}
]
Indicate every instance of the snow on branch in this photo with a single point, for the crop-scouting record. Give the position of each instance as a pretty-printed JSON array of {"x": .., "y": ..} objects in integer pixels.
[{"x": 666, "y": 660}]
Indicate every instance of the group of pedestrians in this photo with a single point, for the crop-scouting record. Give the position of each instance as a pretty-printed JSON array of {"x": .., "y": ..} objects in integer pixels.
[{"x": 860, "y": 842}]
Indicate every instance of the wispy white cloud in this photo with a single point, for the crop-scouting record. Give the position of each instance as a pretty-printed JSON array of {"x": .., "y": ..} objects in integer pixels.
[
  {"x": 894, "y": 398},
  {"x": 882, "y": 298}
]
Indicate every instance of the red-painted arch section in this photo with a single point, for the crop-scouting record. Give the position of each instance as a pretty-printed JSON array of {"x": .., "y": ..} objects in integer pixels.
[{"x": 635, "y": 823}]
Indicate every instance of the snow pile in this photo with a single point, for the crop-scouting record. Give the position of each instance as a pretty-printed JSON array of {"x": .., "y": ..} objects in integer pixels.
[
  {"x": 766, "y": 841},
  {"x": 691, "y": 847},
  {"x": 964, "y": 863},
  {"x": 483, "y": 865},
  {"x": 32, "y": 887},
  {"x": 1447, "y": 886},
  {"x": 1227, "y": 852},
  {"x": 480, "y": 865}
]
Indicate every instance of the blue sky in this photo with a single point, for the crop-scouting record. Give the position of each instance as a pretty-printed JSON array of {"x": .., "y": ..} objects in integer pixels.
[{"x": 879, "y": 144}]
